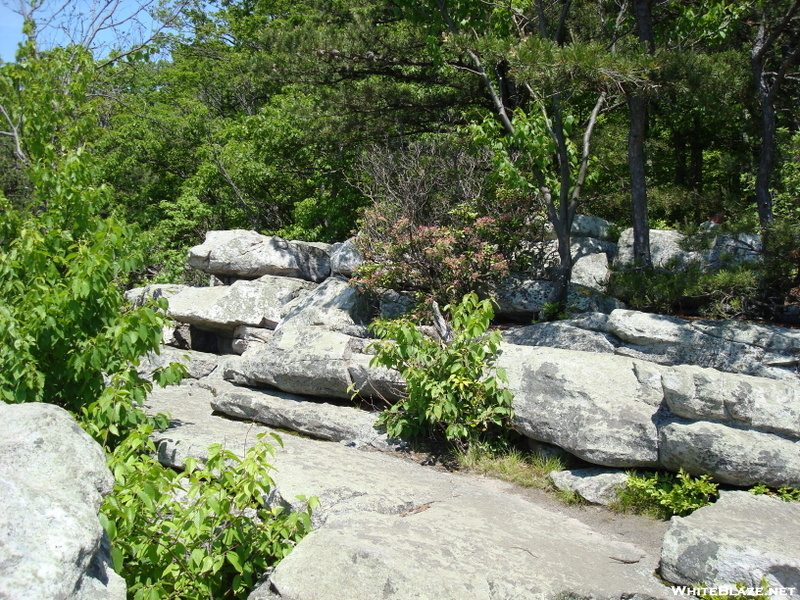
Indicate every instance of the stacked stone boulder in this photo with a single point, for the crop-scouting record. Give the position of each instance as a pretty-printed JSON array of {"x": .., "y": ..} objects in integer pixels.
[
  {"x": 639, "y": 391},
  {"x": 53, "y": 478},
  {"x": 614, "y": 387}
]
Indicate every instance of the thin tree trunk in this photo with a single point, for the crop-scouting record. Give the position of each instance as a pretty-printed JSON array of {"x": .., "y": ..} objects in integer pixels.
[
  {"x": 767, "y": 151},
  {"x": 641, "y": 223},
  {"x": 638, "y": 121}
]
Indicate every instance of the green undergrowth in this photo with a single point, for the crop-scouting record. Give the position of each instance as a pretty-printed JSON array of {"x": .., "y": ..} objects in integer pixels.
[
  {"x": 526, "y": 470},
  {"x": 662, "y": 495},
  {"x": 204, "y": 532}
]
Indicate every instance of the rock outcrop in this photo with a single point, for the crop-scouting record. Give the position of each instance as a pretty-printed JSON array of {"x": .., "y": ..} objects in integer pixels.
[
  {"x": 247, "y": 254},
  {"x": 729, "y": 346},
  {"x": 737, "y": 540},
  {"x": 53, "y": 478}
]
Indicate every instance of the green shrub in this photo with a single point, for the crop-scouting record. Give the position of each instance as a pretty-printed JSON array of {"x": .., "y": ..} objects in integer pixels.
[
  {"x": 662, "y": 495},
  {"x": 206, "y": 532},
  {"x": 786, "y": 493},
  {"x": 452, "y": 388}
]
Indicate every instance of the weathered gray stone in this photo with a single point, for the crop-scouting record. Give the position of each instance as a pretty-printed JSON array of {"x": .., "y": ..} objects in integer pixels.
[
  {"x": 248, "y": 254},
  {"x": 521, "y": 297},
  {"x": 585, "y": 226},
  {"x": 389, "y": 528},
  {"x": 601, "y": 408},
  {"x": 742, "y": 538},
  {"x": 735, "y": 456},
  {"x": 321, "y": 420},
  {"x": 561, "y": 334},
  {"x": 714, "y": 250},
  {"x": 665, "y": 249},
  {"x": 259, "y": 303},
  {"x": 674, "y": 341},
  {"x": 346, "y": 258},
  {"x": 504, "y": 551},
  {"x": 53, "y": 477},
  {"x": 592, "y": 271},
  {"x": 314, "y": 361},
  {"x": 595, "y": 485},
  {"x": 198, "y": 364},
  {"x": 139, "y": 296},
  {"x": 334, "y": 305},
  {"x": 753, "y": 402}
]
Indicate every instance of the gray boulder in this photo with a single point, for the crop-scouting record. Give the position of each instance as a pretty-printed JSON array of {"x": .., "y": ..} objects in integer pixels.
[
  {"x": 585, "y": 226},
  {"x": 248, "y": 254},
  {"x": 595, "y": 485},
  {"x": 724, "y": 345},
  {"x": 665, "y": 249},
  {"x": 599, "y": 407},
  {"x": 561, "y": 334},
  {"x": 335, "y": 305},
  {"x": 53, "y": 477},
  {"x": 740, "y": 400},
  {"x": 321, "y": 420},
  {"x": 260, "y": 303},
  {"x": 314, "y": 361},
  {"x": 714, "y": 250},
  {"x": 740, "y": 457},
  {"x": 742, "y": 538},
  {"x": 346, "y": 258},
  {"x": 592, "y": 271}
]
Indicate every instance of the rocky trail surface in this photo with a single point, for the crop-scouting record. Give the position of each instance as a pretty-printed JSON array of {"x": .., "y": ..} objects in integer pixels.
[{"x": 390, "y": 528}]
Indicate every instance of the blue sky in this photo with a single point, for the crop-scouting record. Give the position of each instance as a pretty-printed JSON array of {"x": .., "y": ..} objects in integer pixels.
[
  {"x": 10, "y": 33},
  {"x": 11, "y": 24}
]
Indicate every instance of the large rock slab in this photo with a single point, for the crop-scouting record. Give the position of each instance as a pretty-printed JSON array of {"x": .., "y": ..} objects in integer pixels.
[
  {"x": 602, "y": 408},
  {"x": 741, "y": 538},
  {"x": 477, "y": 547},
  {"x": 53, "y": 477},
  {"x": 320, "y": 420},
  {"x": 730, "y": 455},
  {"x": 334, "y": 305},
  {"x": 260, "y": 303},
  {"x": 741, "y": 400},
  {"x": 730, "y": 346},
  {"x": 248, "y": 254},
  {"x": 390, "y": 528},
  {"x": 313, "y": 361},
  {"x": 561, "y": 334}
]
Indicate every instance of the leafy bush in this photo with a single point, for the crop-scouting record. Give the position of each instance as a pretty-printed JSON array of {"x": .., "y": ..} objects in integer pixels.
[
  {"x": 726, "y": 292},
  {"x": 786, "y": 493},
  {"x": 452, "y": 388},
  {"x": 438, "y": 226},
  {"x": 663, "y": 495},
  {"x": 206, "y": 532}
]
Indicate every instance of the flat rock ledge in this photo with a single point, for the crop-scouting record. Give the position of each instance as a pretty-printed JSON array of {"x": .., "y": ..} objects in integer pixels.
[
  {"x": 320, "y": 420},
  {"x": 741, "y": 539},
  {"x": 389, "y": 528}
]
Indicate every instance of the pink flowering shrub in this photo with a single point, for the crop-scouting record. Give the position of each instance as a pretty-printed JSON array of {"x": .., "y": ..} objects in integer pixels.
[{"x": 439, "y": 225}]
